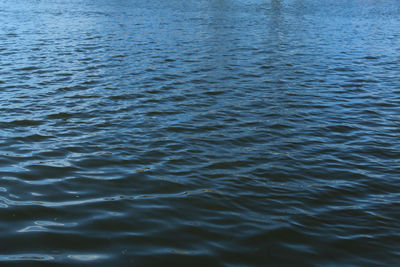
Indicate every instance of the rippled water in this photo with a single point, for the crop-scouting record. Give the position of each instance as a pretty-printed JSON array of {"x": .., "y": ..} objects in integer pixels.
[{"x": 205, "y": 133}]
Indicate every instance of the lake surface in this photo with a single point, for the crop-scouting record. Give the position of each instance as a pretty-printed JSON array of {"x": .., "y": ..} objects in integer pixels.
[{"x": 200, "y": 133}]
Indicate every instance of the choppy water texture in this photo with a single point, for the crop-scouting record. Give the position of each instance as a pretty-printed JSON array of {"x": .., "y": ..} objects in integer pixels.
[{"x": 200, "y": 133}]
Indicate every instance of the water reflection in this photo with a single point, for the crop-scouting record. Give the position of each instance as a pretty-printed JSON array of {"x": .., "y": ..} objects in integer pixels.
[{"x": 180, "y": 132}]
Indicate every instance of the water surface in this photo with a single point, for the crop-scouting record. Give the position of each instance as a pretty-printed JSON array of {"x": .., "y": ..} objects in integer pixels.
[{"x": 201, "y": 133}]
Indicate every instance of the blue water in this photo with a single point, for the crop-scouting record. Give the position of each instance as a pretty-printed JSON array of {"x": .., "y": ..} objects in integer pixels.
[{"x": 200, "y": 133}]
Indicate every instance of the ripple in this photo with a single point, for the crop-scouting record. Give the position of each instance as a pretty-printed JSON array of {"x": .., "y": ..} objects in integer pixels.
[
  {"x": 23, "y": 122},
  {"x": 26, "y": 257},
  {"x": 86, "y": 257},
  {"x": 207, "y": 132}
]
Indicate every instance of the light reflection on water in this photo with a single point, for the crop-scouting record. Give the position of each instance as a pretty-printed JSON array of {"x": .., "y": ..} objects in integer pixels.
[{"x": 211, "y": 132}]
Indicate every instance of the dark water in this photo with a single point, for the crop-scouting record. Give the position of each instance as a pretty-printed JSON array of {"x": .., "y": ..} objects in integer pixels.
[{"x": 200, "y": 133}]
